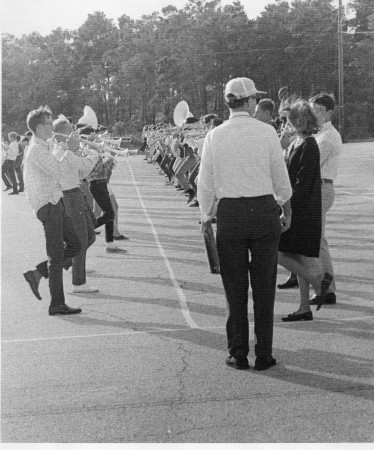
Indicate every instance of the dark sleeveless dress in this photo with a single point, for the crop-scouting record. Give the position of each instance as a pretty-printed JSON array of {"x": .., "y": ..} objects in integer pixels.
[{"x": 303, "y": 163}]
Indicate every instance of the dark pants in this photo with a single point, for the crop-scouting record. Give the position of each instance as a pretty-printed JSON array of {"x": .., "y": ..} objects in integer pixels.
[
  {"x": 78, "y": 209},
  {"x": 62, "y": 244},
  {"x": 8, "y": 174},
  {"x": 99, "y": 191},
  {"x": 248, "y": 225},
  {"x": 18, "y": 167},
  {"x": 164, "y": 164},
  {"x": 191, "y": 179}
]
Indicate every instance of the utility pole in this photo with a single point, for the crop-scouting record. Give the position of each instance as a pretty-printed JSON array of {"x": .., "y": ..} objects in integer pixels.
[{"x": 340, "y": 70}]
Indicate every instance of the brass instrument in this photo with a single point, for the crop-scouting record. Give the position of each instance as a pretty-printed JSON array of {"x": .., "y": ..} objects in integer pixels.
[{"x": 100, "y": 147}]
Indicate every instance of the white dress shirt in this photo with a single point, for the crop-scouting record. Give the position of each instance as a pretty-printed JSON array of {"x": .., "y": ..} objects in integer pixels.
[
  {"x": 12, "y": 151},
  {"x": 330, "y": 145},
  {"x": 241, "y": 158},
  {"x": 76, "y": 169},
  {"x": 42, "y": 174}
]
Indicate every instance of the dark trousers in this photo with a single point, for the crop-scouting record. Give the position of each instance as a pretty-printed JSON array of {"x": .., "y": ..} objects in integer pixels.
[
  {"x": 99, "y": 191},
  {"x": 19, "y": 172},
  {"x": 248, "y": 225},
  {"x": 62, "y": 243},
  {"x": 164, "y": 164},
  {"x": 191, "y": 179},
  {"x": 78, "y": 209},
  {"x": 8, "y": 174},
  {"x": 171, "y": 163}
]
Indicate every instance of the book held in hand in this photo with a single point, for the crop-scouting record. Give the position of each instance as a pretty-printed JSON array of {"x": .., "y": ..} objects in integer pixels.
[{"x": 211, "y": 253}]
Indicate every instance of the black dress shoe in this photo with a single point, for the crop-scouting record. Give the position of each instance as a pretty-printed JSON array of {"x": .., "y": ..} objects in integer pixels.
[
  {"x": 121, "y": 237},
  {"x": 239, "y": 363},
  {"x": 330, "y": 299},
  {"x": 14, "y": 193},
  {"x": 63, "y": 309},
  {"x": 289, "y": 284},
  {"x": 297, "y": 317},
  {"x": 33, "y": 282},
  {"x": 21, "y": 190},
  {"x": 263, "y": 363}
]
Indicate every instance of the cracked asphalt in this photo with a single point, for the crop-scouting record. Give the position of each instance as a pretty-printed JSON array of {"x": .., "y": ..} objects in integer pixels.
[{"x": 145, "y": 361}]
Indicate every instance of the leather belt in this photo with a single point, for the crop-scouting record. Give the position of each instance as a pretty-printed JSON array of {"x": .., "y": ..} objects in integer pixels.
[
  {"x": 98, "y": 181},
  {"x": 326, "y": 181},
  {"x": 68, "y": 191}
]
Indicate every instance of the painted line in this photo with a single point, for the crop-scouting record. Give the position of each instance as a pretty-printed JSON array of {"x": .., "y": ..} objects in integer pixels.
[
  {"x": 162, "y": 330},
  {"x": 100, "y": 335},
  {"x": 352, "y": 194},
  {"x": 181, "y": 297}
]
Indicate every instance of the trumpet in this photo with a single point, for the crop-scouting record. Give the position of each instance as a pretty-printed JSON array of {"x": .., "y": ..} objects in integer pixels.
[{"x": 101, "y": 148}]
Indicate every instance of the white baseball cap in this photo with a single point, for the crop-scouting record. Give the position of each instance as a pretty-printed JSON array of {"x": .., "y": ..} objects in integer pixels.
[{"x": 238, "y": 88}]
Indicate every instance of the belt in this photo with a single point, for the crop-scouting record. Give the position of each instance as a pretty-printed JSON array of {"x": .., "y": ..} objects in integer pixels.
[
  {"x": 326, "y": 181},
  {"x": 68, "y": 191},
  {"x": 98, "y": 181}
]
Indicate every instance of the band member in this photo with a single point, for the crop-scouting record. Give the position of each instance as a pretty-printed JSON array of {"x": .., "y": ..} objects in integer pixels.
[
  {"x": 75, "y": 202},
  {"x": 43, "y": 189},
  {"x": 242, "y": 165},
  {"x": 98, "y": 183},
  {"x": 9, "y": 165}
]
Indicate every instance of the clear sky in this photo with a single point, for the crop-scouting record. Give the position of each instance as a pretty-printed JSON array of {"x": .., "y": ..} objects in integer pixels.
[{"x": 25, "y": 16}]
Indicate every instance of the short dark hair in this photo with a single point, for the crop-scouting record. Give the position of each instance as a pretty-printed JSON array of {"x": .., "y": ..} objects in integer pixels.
[
  {"x": 86, "y": 130},
  {"x": 267, "y": 104},
  {"x": 208, "y": 118},
  {"x": 325, "y": 100},
  {"x": 234, "y": 102},
  {"x": 28, "y": 134},
  {"x": 37, "y": 117},
  {"x": 191, "y": 120},
  {"x": 217, "y": 121},
  {"x": 302, "y": 117},
  {"x": 25, "y": 139}
]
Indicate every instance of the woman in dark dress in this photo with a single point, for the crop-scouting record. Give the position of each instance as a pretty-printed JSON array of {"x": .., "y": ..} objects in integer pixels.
[{"x": 299, "y": 245}]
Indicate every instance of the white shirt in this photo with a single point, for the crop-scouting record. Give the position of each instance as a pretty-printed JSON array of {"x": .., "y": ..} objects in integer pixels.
[
  {"x": 330, "y": 146},
  {"x": 12, "y": 151},
  {"x": 241, "y": 158},
  {"x": 42, "y": 174},
  {"x": 76, "y": 169}
]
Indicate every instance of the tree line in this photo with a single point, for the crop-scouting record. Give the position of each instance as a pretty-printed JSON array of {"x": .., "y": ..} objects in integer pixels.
[{"x": 135, "y": 72}]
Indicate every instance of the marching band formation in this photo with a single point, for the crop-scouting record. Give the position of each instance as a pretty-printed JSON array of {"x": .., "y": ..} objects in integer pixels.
[{"x": 268, "y": 184}]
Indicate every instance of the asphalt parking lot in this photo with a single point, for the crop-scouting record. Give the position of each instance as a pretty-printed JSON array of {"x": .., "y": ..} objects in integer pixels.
[{"x": 145, "y": 361}]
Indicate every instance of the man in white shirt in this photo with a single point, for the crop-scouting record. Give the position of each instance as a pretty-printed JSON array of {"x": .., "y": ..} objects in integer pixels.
[
  {"x": 242, "y": 165},
  {"x": 8, "y": 169},
  {"x": 75, "y": 203},
  {"x": 42, "y": 173},
  {"x": 330, "y": 144}
]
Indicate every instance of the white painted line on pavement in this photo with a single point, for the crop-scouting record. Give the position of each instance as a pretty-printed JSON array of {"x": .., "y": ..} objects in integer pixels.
[
  {"x": 352, "y": 194},
  {"x": 82, "y": 336},
  {"x": 181, "y": 297}
]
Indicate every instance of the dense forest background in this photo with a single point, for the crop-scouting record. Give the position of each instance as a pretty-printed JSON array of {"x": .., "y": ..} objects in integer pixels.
[{"x": 134, "y": 73}]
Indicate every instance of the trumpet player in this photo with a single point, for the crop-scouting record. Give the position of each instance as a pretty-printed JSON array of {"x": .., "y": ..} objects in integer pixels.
[
  {"x": 75, "y": 202},
  {"x": 98, "y": 185},
  {"x": 43, "y": 189}
]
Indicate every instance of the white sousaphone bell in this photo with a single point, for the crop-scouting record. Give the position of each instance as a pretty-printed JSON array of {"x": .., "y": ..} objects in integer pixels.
[
  {"x": 181, "y": 113},
  {"x": 89, "y": 118}
]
